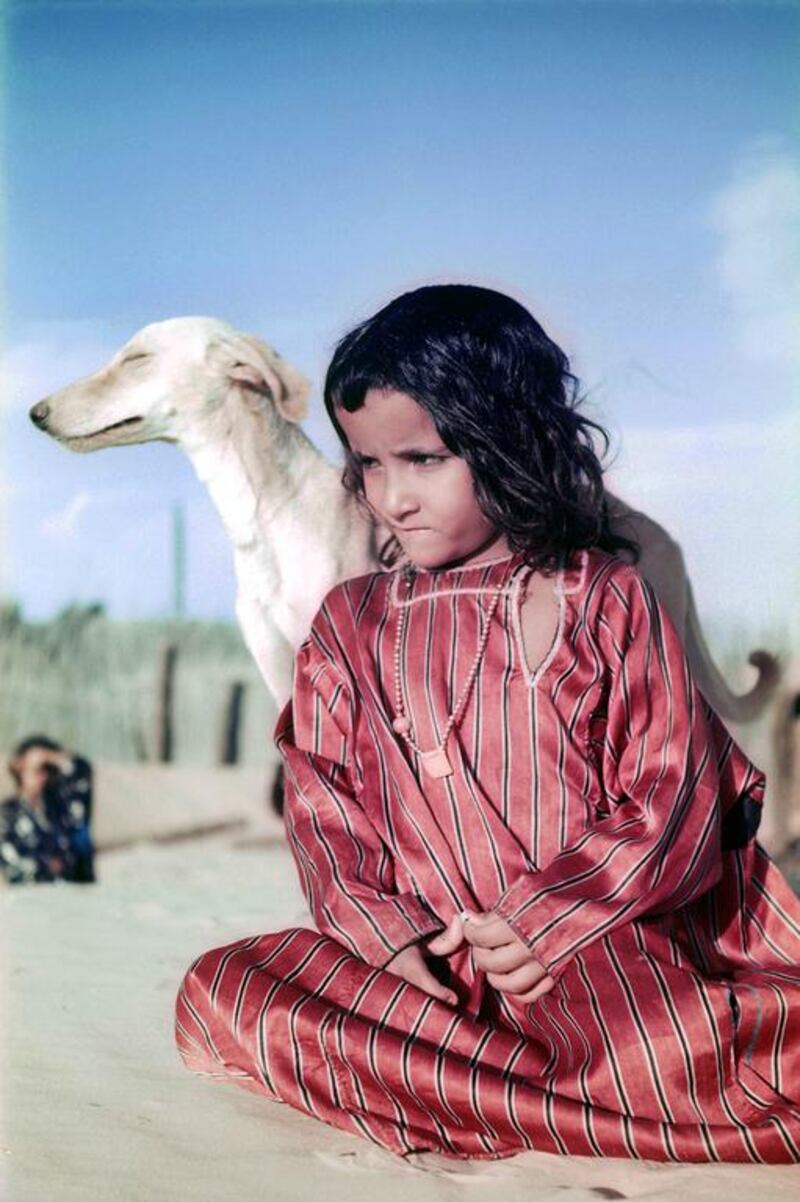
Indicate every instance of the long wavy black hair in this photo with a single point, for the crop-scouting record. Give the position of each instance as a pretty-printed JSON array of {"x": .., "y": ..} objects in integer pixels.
[{"x": 501, "y": 395}]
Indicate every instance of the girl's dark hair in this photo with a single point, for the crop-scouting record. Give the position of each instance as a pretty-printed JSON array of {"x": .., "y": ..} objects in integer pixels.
[
  {"x": 26, "y": 745},
  {"x": 502, "y": 396}
]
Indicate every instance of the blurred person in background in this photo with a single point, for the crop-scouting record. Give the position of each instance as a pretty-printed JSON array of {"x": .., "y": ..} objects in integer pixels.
[{"x": 44, "y": 827}]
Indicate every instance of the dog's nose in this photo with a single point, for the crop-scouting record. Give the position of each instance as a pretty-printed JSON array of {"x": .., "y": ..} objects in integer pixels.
[{"x": 39, "y": 413}]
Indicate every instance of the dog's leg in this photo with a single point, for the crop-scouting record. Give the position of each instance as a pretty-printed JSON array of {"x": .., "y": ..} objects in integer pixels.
[
  {"x": 268, "y": 646},
  {"x": 275, "y": 659}
]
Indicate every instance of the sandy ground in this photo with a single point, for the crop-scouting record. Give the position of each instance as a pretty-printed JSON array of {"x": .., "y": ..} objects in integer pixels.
[{"x": 97, "y": 1105}]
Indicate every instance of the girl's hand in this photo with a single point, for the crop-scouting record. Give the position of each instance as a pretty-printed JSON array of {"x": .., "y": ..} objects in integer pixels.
[
  {"x": 62, "y": 761},
  {"x": 411, "y": 966},
  {"x": 509, "y": 965}
]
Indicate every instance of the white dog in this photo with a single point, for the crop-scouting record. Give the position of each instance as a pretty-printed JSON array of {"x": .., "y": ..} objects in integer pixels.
[{"x": 233, "y": 405}]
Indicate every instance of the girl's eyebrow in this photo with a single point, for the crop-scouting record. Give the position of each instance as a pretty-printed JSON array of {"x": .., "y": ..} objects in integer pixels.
[{"x": 439, "y": 449}]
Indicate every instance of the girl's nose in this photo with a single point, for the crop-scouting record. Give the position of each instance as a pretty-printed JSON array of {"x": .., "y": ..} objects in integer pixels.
[{"x": 398, "y": 498}]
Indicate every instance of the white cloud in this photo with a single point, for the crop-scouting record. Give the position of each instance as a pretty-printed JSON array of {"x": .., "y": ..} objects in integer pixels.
[
  {"x": 67, "y": 522},
  {"x": 63, "y": 523},
  {"x": 758, "y": 218}
]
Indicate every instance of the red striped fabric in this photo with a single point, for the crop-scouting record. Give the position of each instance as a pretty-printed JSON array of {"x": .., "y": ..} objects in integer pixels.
[{"x": 600, "y": 807}]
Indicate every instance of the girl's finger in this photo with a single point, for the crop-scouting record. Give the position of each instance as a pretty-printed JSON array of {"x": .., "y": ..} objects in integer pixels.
[
  {"x": 410, "y": 966},
  {"x": 486, "y": 930},
  {"x": 444, "y": 943},
  {"x": 520, "y": 980},
  {"x": 425, "y": 980},
  {"x": 501, "y": 959},
  {"x": 532, "y": 995}
]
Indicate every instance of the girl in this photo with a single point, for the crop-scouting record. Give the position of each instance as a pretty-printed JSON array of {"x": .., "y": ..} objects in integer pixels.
[{"x": 527, "y": 842}]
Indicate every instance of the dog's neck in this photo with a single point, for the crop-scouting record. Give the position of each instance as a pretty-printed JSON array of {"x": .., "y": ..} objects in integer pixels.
[
  {"x": 253, "y": 473},
  {"x": 283, "y": 507}
]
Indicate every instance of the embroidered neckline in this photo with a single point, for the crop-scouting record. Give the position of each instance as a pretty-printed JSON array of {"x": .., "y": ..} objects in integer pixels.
[
  {"x": 511, "y": 588},
  {"x": 412, "y": 568},
  {"x": 424, "y": 584},
  {"x": 431, "y": 577}
]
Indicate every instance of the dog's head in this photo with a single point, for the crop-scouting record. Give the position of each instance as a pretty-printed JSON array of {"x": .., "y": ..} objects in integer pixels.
[{"x": 175, "y": 381}]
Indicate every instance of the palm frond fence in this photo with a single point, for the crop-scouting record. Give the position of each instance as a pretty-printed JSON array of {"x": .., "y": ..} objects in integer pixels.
[{"x": 171, "y": 690}]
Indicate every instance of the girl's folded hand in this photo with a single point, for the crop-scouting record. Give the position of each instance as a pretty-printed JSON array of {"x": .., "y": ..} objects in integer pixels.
[
  {"x": 410, "y": 964},
  {"x": 509, "y": 964}
]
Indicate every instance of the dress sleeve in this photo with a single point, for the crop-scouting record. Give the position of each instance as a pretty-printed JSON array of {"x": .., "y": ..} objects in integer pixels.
[
  {"x": 666, "y": 772},
  {"x": 345, "y": 868}
]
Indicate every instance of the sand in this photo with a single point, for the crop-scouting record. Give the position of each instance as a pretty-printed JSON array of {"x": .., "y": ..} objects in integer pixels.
[{"x": 97, "y": 1105}]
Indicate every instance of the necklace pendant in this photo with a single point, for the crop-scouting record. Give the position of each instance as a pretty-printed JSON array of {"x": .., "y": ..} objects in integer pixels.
[{"x": 436, "y": 763}]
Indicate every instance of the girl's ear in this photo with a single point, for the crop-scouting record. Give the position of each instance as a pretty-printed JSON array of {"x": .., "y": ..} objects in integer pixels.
[{"x": 13, "y": 770}]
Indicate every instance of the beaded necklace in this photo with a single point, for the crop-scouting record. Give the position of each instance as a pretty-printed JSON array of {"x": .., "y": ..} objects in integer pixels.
[{"x": 435, "y": 762}]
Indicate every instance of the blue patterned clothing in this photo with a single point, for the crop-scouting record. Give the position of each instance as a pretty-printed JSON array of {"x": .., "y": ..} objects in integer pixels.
[{"x": 52, "y": 841}]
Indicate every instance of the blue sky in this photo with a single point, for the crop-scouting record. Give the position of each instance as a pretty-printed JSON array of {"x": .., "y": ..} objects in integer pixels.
[{"x": 630, "y": 170}]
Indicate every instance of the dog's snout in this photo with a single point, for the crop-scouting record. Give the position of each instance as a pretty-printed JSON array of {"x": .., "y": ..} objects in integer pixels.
[{"x": 39, "y": 413}]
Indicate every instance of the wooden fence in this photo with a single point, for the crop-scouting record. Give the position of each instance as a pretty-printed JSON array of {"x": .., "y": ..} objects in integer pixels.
[
  {"x": 181, "y": 691},
  {"x": 187, "y": 692}
]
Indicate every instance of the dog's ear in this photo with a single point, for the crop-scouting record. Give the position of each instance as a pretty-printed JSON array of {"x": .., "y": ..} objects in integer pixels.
[
  {"x": 259, "y": 367},
  {"x": 293, "y": 405},
  {"x": 252, "y": 377}
]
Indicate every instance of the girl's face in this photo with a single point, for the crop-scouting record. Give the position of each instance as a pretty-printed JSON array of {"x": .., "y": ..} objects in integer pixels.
[
  {"x": 415, "y": 485},
  {"x": 34, "y": 768}
]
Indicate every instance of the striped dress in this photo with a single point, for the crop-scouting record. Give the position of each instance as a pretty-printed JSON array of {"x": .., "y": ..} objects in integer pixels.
[{"x": 599, "y": 806}]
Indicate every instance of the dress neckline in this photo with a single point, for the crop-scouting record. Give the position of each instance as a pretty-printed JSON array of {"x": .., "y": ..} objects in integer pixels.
[
  {"x": 410, "y": 584},
  {"x": 412, "y": 569}
]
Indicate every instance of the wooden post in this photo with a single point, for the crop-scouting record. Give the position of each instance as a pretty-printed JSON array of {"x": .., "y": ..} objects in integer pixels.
[
  {"x": 231, "y": 724},
  {"x": 178, "y": 561},
  {"x": 165, "y": 700}
]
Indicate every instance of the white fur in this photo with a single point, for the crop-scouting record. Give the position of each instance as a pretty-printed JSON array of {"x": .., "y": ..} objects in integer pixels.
[{"x": 233, "y": 405}]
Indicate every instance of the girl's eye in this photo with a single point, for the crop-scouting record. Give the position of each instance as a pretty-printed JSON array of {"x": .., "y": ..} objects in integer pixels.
[
  {"x": 364, "y": 462},
  {"x": 427, "y": 459},
  {"x": 134, "y": 357}
]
